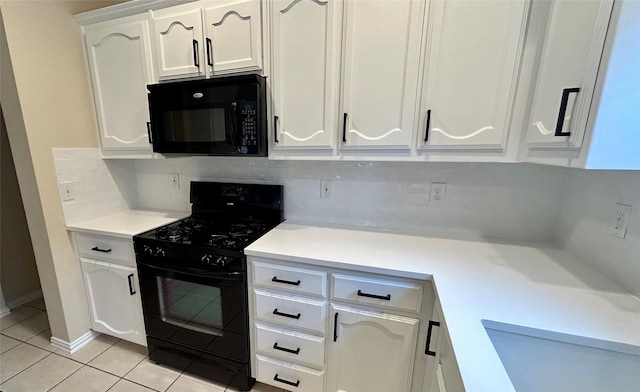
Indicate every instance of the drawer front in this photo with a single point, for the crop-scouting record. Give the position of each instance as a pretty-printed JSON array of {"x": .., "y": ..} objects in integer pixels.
[
  {"x": 283, "y": 375},
  {"x": 295, "y": 280},
  {"x": 393, "y": 294},
  {"x": 290, "y": 346},
  {"x": 291, "y": 311},
  {"x": 106, "y": 248}
]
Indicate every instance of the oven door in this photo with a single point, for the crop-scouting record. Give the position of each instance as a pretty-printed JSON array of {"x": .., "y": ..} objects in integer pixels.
[{"x": 204, "y": 311}]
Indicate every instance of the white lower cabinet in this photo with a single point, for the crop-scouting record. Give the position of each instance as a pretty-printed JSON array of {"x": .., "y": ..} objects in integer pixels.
[
  {"x": 370, "y": 351},
  {"x": 368, "y": 335},
  {"x": 442, "y": 365},
  {"x": 114, "y": 299}
]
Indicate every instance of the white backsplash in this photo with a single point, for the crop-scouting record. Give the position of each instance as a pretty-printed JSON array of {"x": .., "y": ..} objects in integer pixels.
[
  {"x": 586, "y": 219},
  {"x": 95, "y": 192},
  {"x": 503, "y": 201}
]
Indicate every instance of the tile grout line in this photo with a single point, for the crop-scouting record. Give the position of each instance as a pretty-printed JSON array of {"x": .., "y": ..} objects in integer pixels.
[{"x": 23, "y": 370}]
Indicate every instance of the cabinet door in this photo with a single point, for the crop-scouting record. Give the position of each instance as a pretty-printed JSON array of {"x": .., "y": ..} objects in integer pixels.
[
  {"x": 179, "y": 46},
  {"x": 370, "y": 351},
  {"x": 114, "y": 300},
  {"x": 568, "y": 68},
  {"x": 380, "y": 73},
  {"x": 305, "y": 46},
  {"x": 234, "y": 37},
  {"x": 471, "y": 68},
  {"x": 121, "y": 67}
]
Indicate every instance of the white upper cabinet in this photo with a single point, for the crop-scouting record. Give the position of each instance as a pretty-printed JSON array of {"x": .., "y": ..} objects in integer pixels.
[
  {"x": 208, "y": 38},
  {"x": 178, "y": 36},
  {"x": 120, "y": 64},
  {"x": 233, "y": 37},
  {"x": 380, "y": 73},
  {"x": 569, "y": 62},
  {"x": 471, "y": 68},
  {"x": 305, "y": 52}
]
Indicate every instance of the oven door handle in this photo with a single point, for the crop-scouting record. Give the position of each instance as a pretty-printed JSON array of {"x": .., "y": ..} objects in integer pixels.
[{"x": 219, "y": 275}]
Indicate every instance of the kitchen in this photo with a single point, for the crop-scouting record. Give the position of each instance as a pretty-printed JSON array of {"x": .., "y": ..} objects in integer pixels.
[{"x": 506, "y": 201}]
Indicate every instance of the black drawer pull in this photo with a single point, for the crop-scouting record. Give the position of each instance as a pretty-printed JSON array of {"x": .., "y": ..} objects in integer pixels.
[
  {"x": 563, "y": 110},
  {"x": 275, "y": 129},
  {"x": 385, "y": 297},
  {"x": 291, "y": 282},
  {"x": 96, "y": 249},
  {"x": 344, "y": 128},
  {"x": 278, "y": 379},
  {"x": 275, "y": 311},
  {"x": 429, "y": 331},
  {"x": 276, "y": 347},
  {"x": 335, "y": 327}
]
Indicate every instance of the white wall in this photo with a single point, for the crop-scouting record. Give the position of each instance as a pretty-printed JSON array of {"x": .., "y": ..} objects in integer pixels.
[
  {"x": 504, "y": 201},
  {"x": 586, "y": 217}
]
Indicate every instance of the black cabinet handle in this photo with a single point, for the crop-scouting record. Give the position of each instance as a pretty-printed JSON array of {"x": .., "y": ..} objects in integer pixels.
[
  {"x": 130, "y": 279},
  {"x": 96, "y": 249},
  {"x": 278, "y": 379},
  {"x": 563, "y": 110},
  {"x": 296, "y": 352},
  {"x": 335, "y": 327},
  {"x": 429, "y": 331},
  {"x": 196, "y": 54},
  {"x": 209, "y": 51},
  {"x": 344, "y": 128},
  {"x": 149, "y": 132},
  {"x": 426, "y": 130},
  {"x": 275, "y": 311},
  {"x": 384, "y": 297},
  {"x": 275, "y": 279},
  {"x": 275, "y": 129}
]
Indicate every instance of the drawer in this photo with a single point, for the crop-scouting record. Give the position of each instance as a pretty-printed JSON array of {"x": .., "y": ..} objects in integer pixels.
[
  {"x": 106, "y": 248},
  {"x": 290, "y": 346},
  {"x": 295, "y": 280},
  {"x": 291, "y": 311},
  {"x": 288, "y": 376},
  {"x": 393, "y": 294}
]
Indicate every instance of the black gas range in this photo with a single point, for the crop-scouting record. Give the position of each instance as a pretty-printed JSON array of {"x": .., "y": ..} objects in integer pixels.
[{"x": 193, "y": 280}]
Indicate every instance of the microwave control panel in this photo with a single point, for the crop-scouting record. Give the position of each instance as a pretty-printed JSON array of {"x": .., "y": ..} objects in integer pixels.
[{"x": 248, "y": 123}]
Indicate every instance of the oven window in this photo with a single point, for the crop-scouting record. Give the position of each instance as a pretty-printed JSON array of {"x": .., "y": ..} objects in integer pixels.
[
  {"x": 190, "y": 305},
  {"x": 196, "y": 125}
]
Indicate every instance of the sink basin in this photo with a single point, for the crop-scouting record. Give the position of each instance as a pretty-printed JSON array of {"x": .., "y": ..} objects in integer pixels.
[{"x": 538, "y": 360}]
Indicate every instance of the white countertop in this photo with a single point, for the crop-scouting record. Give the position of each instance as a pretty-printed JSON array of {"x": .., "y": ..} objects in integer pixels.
[
  {"x": 529, "y": 286},
  {"x": 128, "y": 223}
]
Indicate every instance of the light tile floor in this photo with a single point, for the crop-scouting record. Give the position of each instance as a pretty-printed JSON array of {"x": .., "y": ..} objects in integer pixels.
[{"x": 29, "y": 363}]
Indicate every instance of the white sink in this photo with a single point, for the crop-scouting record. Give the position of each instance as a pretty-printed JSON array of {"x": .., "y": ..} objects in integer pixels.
[{"x": 538, "y": 360}]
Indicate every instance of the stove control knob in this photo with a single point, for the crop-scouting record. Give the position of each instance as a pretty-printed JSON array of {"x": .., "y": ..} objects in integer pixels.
[
  {"x": 206, "y": 259},
  {"x": 160, "y": 252},
  {"x": 147, "y": 249},
  {"x": 221, "y": 261}
]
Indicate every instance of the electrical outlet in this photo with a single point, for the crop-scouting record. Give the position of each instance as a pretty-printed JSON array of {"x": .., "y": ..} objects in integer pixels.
[
  {"x": 325, "y": 189},
  {"x": 174, "y": 181},
  {"x": 437, "y": 192},
  {"x": 621, "y": 219},
  {"x": 66, "y": 191}
]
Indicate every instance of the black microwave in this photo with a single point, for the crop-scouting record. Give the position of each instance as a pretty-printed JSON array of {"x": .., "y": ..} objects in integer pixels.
[{"x": 221, "y": 116}]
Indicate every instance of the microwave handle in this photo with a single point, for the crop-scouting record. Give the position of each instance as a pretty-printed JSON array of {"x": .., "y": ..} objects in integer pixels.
[{"x": 149, "y": 132}]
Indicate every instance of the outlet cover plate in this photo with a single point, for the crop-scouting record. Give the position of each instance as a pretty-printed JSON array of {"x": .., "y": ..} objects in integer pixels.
[
  {"x": 437, "y": 192},
  {"x": 621, "y": 219}
]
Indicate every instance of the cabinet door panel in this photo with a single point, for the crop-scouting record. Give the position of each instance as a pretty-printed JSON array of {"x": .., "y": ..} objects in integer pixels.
[
  {"x": 381, "y": 49},
  {"x": 114, "y": 310},
  {"x": 305, "y": 54},
  {"x": 236, "y": 36},
  {"x": 120, "y": 65},
  {"x": 570, "y": 58},
  {"x": 372, "y": 352},
  {"x": 177, "y": 55},
  {"x": 471, "y": 69}
]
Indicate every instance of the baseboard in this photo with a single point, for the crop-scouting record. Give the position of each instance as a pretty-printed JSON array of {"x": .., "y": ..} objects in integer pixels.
[
  {"x": 4, "y": 311},
  {"x": 14, "y": 303},
  {"x": 74, "y": 346}
]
